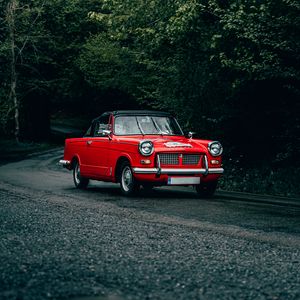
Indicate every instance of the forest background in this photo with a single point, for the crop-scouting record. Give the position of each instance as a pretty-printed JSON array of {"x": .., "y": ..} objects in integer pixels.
[{"x": 227, "y": 69}]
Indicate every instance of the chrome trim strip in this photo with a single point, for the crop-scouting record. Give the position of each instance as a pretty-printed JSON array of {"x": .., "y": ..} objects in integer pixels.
[
  {"x": 64, "y": 162},
  {"x": 158, "y": 166},
  {"x": 215, "y": 171},
  {"x": 178, "y": 171},
  {"x": 206, "y": 165}
]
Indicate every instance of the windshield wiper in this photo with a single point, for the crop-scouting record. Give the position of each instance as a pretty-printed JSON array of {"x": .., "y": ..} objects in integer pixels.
[
  {"x": 140, "y": 128},
  {"x": 157, "y": 127}
]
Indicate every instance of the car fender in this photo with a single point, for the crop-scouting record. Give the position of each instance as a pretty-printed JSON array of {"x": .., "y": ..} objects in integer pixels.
[
  {"x": 77, "y": 157},
  {"x": 121, "y": 156}
]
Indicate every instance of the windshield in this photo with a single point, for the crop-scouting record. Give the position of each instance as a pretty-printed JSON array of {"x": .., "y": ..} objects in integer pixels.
[{"x": 131, "y": 125}]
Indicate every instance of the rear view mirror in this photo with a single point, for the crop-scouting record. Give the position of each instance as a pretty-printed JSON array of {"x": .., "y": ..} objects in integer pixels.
[{"x": 190, "y": 134}]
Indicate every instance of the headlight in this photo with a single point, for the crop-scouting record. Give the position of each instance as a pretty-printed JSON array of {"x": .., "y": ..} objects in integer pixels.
[
  {"x": 146, "y": 148},
  {"x": 215, "y": 148}
]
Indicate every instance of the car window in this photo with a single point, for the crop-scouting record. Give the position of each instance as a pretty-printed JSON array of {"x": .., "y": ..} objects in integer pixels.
[
  {"x": 126, "y": 125},
  {"x": 147, "y": 125},
  {"x": 133, "y": 125},
  {"x": 100, "y": 125},
  {"x": 166, "y": 125}
]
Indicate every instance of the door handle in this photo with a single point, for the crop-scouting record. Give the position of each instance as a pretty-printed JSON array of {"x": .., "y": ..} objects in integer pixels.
[{"x": 89, "y": 142}]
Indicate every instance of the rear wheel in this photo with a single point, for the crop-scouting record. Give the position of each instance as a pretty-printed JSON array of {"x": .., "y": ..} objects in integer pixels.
[
  {"x": 206, "y": 189},
  {"x": 79, "y": 181},
  {"x": 128, "y": 184}
]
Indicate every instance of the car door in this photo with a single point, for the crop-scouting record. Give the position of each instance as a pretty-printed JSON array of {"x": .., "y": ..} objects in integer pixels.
[{"x": 97, "y": 149}]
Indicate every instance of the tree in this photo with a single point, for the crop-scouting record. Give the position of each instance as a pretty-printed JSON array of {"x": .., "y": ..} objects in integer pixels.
[
  {"x": 169, "y": 48},
  {"x": 259, "y": 45},
  {"x": 47, "y": 38},
  {"x": 10, "y": 19},
  {"x": 21, "y": 33},
  {"x": 232, "y": 65}
]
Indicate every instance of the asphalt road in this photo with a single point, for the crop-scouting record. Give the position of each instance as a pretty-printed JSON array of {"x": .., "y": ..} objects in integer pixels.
[{"x": 60, "y": 243}]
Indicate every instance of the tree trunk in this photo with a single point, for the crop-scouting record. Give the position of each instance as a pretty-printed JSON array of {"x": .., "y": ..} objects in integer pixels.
[{"x": 10, "y": 14}]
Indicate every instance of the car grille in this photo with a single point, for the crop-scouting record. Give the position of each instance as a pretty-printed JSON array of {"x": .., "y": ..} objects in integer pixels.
[
  {"x": 190, "y": 159},
  {"x": 169, "y": 158},
  {"x": 177, "y": 159}
]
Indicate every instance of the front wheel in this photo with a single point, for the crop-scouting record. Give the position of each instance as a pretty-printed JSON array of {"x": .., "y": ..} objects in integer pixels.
[
  {"x": 79, "y": 181},
  {"x": 206, "y": 189},
  {"x": 128, "y": 184}
]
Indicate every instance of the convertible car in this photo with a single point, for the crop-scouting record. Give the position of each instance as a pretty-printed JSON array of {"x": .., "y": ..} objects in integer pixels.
[{"x": 143, "y": 148}]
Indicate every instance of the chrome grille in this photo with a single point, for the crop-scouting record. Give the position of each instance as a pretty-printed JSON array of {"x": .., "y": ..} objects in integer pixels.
[
  {"x": 169, "y": 158},
  {"x": 177, "y": 158},
  {"x": 190, "y": 159}
]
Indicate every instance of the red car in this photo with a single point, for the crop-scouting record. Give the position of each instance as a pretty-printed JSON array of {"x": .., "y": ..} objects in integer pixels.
[{"x": 145, "y": 148}]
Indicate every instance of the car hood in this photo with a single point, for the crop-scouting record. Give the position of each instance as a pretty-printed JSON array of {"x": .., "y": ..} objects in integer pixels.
[{"x": 170, "y": 143}]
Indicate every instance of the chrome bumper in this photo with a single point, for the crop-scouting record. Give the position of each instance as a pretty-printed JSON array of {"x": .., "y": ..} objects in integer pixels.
[
  {"x": 173, "y": 171},
  {"x": 182, "y": 171},
  {"x": 65, "y": 163}
]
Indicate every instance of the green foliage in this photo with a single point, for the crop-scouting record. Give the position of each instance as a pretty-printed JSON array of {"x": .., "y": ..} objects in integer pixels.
[
  {"x": 25, "y": 37},
  {"x": 260, "y": 39},
  {"x": 170, "y": 43},
  {"x": 261, "y": 180},
  {"x": 227, "y": 69},
  {"x": 48, "y": 39},
  {"x": 104, "y": 63},
  {"x": 68, "y": 27}
]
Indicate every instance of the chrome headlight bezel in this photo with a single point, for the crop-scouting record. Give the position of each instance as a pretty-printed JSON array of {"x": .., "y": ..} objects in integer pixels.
[
  {"x": 144, "y": 145},
  {"x": 213, "y": 146}
]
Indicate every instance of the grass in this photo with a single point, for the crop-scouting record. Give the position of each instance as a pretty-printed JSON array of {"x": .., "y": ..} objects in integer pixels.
[{"x": 281, "y": 181}]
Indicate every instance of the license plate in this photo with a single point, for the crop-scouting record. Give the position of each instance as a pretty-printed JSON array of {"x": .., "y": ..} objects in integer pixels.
[{"x": 183, "y": 180}]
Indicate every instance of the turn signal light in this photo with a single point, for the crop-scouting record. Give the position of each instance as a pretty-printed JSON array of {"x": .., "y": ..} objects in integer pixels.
[
  {"x": 214, "y": 162},
  {"x": 145, "y": 161}
]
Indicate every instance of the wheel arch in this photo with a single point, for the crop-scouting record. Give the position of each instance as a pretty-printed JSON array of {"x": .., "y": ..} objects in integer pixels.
[
  {"x": 119, "y": 163},
  {"x": 73, "y": 160}
]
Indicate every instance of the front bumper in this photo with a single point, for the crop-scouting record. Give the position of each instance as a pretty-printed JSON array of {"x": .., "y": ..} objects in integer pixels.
[{"x": 177, "y": 171}]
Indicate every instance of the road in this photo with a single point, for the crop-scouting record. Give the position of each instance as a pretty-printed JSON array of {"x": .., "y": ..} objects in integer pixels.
[{"x": 57, "y": 242}]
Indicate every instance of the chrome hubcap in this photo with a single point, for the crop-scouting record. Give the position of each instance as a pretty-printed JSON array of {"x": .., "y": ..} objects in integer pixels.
[{"x": 126, "y": 178}]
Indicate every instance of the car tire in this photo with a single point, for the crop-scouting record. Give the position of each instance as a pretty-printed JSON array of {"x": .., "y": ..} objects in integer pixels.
[
  {"x": 128, "y": 184},
  {"x": 79, "y": 181},
  {"x": 206, "y": 189}
]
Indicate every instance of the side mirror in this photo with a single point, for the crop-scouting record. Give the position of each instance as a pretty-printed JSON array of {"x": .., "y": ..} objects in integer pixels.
[
  {"x": 107, "y": 133},
  {"x": 190, "y": 134}
]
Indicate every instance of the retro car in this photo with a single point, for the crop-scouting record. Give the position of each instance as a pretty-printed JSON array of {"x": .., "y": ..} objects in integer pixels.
[{"x": 143, "y": 148}]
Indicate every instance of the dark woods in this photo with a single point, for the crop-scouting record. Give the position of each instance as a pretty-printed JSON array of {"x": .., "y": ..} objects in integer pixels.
[{"x": 228, "y": 70}]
